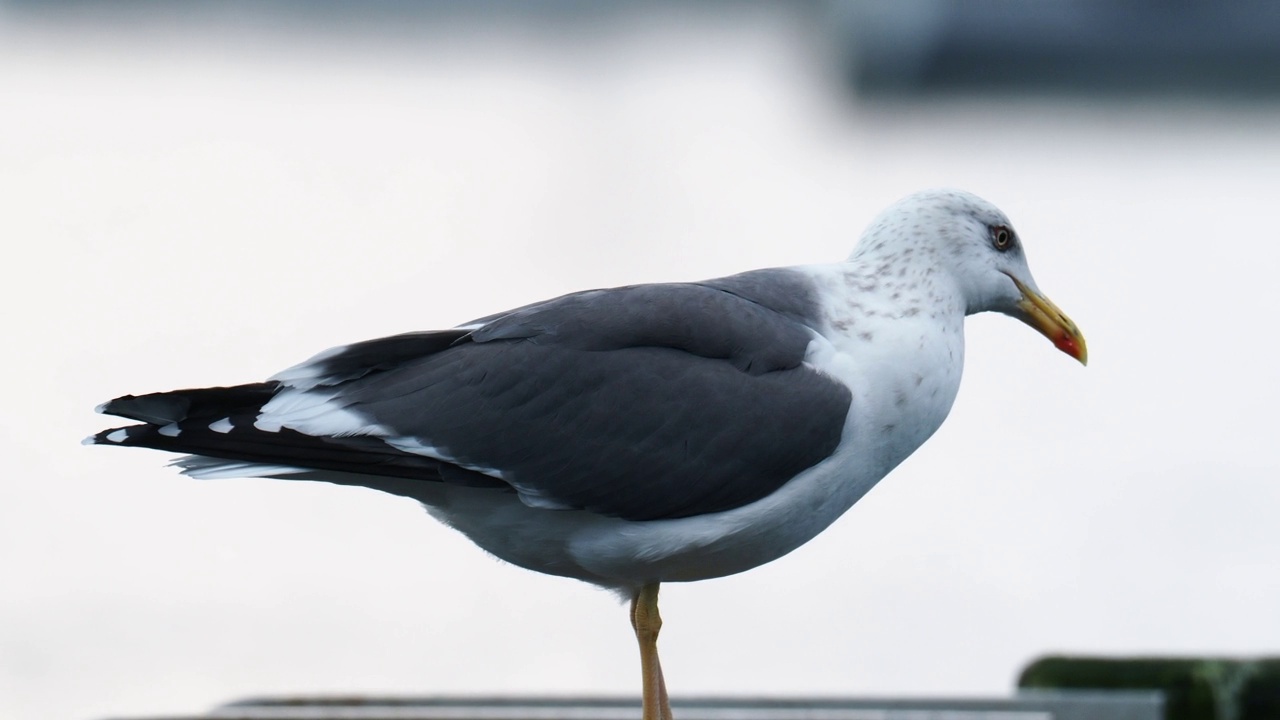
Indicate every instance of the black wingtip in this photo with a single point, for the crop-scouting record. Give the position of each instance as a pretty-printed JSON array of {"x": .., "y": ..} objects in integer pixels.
[
  {"x": 156, "y": 408},
  {"x": 166, "y": 408}
]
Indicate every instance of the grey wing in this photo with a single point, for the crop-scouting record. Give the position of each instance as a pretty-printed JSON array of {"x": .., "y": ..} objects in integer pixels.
[
  {"x": 653, "y": 401},
  {"x": 645, "y": 402}
]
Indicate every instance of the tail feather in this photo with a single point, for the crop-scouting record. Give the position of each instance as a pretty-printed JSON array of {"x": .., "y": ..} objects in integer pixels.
[{"x": 219, "y": 424}]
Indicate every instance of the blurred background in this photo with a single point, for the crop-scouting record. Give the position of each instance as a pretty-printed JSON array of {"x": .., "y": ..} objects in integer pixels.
[{"x": 199, "y": 193}]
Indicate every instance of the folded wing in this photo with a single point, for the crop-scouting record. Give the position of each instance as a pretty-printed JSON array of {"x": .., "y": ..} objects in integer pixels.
[{"x": 644, "y": 402}]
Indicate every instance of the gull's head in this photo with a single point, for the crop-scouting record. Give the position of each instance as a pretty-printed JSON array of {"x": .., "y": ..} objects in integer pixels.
[{"x": 974, "y": 244}]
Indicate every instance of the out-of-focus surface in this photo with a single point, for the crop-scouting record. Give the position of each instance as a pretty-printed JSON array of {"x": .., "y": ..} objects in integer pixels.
[
  {"x": 187, "y": 203},
  {"x": 1036, "y": 705},
  {"x": 1132, "y": 47}
]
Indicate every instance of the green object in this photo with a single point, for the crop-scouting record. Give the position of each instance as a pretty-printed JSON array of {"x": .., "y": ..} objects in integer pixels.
[{"x": 1194, "y": 688}]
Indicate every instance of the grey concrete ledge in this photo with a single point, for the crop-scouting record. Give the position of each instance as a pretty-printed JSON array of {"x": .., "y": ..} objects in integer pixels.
[{"x": 1056, "y": 705}]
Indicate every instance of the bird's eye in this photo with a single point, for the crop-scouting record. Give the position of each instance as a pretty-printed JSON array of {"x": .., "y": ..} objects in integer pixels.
[{"x": 1001, "y": 237}]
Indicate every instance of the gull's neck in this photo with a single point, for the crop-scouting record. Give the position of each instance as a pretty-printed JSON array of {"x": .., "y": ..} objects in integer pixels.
[
  {"x": 882, "y": 282},
  {"x": 893, "y": 332}
]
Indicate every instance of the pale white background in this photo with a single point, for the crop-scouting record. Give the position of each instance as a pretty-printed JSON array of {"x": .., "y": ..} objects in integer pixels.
[{"x": 187, "y": 207}]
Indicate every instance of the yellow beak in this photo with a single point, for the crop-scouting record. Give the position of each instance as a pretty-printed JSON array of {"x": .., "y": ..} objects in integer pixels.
[{"x": 1054, "y": 324}]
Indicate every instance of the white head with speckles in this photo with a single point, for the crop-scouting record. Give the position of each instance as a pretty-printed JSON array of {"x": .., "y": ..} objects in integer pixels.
[{"x": 973, "y": 242}]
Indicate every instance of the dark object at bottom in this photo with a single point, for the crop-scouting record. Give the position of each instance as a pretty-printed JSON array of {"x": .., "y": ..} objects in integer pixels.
[{"x": 1194, "y": 688}]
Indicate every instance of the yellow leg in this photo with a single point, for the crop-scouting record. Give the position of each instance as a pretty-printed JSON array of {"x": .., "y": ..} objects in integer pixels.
[{"x": 647, "y": 622}]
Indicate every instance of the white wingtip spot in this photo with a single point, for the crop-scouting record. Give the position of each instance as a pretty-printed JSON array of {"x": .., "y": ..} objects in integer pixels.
[
  {"x": 91, "y": 440},
  {"x": 170, "y": 430},
  {"x": 101, "y": 408},
  {"x": 221, "y": 426},
  {"x": 118, "y": 436}
]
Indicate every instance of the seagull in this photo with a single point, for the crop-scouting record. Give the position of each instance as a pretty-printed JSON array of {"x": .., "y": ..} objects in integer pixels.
[{"x": 645, "y": 434}]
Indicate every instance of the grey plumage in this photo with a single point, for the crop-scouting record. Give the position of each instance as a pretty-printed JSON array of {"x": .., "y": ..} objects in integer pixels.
[{"x": 641, "y": 402}]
